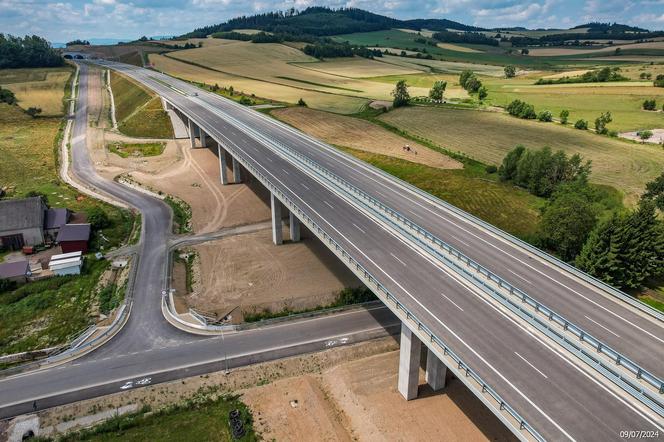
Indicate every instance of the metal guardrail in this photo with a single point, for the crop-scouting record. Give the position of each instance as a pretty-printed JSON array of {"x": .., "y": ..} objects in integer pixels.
[
  {"x": 383, "y": 292},
  {"x": 582, "y": 335}
]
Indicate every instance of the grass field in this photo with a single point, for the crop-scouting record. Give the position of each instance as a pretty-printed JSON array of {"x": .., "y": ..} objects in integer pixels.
[
  {"x": 471, "y": 189},
  {"x": 126, "y": 150},
  {"x": 288, "y": 94},
  {"x": 201, "y": 418},
  {"x": 42, "y": 88},
  {"x": 488, "y": 136},
  {"x": 46, "y": 313},
  {"x": 138, "y": 112},
  {"x": 586, "y": 101}
]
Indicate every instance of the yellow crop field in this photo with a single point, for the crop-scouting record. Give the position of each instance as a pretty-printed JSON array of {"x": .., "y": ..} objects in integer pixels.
[
  {"x": 357, "y": 67},
  {"x": 278, "y": 92},
  {"x": 488, "y": 136},
  {"x": 42, "y": 88}
]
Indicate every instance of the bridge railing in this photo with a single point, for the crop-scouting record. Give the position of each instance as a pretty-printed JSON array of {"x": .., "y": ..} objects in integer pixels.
[{"x": 382, "y": 292}]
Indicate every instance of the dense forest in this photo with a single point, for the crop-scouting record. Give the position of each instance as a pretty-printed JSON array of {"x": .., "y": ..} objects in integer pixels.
[
  {"x": 330, "y": 49},
  {"x": 467, "y": 37},
  {"x": 322, "y": 21},
  {"x": 27, "y": 52},
  {"x": 609, "y": 27}
]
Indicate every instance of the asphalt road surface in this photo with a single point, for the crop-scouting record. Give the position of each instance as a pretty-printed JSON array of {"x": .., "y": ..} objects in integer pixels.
[{"x": 557, "y": 398}]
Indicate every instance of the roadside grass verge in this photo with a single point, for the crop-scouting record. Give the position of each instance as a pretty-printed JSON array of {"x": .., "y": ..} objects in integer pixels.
[
  {"x": 126, "y": 150},
  {"x": 139, "y": 113},
  {"x": 201, "y": 417},
  {"x": 347, "y": 296},
  {"x": 181, "y": 214},
  {"x": 488, "y": 136},
  {"x": 471, "y": 189},
  {"x": 49, "y": 312}
]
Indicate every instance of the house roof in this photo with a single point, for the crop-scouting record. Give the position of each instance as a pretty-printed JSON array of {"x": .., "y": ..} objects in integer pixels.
[
  {"x": 13, "y": 269},
  {"x": 74, "y": 232},
  {"x": 21, "y": 214},
  {"x": 56, "y": 218}
]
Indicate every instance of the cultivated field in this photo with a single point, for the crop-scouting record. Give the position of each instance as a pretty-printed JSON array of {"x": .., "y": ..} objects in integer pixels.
[
  {"x": 43, "y": 88},
  {"x": 451, "y": 67},
  {"x": 548, "y": 52},
  {"x": 362, "y": 135},
  {"x": 458, "y": 48},
  {"x": 586, "y": 101},
  {"x": 423, "y": 82},
  {"x": 488, "y": 136},
  {"x": 139, "y": 112},
  {"x": 281, "y": 64},
  {"x": 278, "y": 92}
]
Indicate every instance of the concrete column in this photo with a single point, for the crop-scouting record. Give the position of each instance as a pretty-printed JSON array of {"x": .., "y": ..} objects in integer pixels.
[
  {"x": 294, "y": 227},
  {"x": 203, "y": 137},
  {"x": 237, "y": 176},
  {"x": 277, "y": 234},
  {"x": 436, "y": 371},
  {"x": 192, "y": 134},
  {"x": 409, "y": 363},
  {"x": 223, "y": 168}
]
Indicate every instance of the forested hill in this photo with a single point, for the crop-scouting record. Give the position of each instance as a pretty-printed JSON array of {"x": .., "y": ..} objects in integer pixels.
[{"x": 322, "y": 21}]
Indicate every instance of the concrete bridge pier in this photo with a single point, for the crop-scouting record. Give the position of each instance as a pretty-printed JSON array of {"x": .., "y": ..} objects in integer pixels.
[
  {"x": 237, "y": 175},
  {"x": 192, "y": 133},
  {"x": 223, "y": 169},
  {"x": 202, "y": 136},
  {"x": 409, "y": 366},
  {"x": 294, "y": 225},
  {"x": 277, "y": 234}
]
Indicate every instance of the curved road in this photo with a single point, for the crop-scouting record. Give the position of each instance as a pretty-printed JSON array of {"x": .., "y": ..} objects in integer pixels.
[{"x": 148, "y": 346}]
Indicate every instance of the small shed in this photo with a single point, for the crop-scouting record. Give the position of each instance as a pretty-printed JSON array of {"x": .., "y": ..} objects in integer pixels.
[
  {"x": 55, "y": 218},
  {"x": 74, "y": 237},
  {"x": 66, "y": 264},
  {"x": 17, "y": 271}
]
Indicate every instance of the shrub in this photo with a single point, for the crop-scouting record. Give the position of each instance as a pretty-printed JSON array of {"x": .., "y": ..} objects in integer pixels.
[
  {"x": 601, "y": 122},
  {"x": 521, "y": 109},
  {"x": 564, "y": 116},
  {"x": 545, "y": 116},
  {"x": 98, "y": 219},
  {"x": 644, "y": 134},
  {"x": 33, "y": 111},
  {"x": 659, "y": 81},
  {"x": 510, "y": 71},
  {"x": 7, "y": 96},
  {"x": 301, "y": 102},
  {"x": 581, "y": 124},
  {"x": 482, "y": 93},
  {"x": 491, "y": 169},
  {"x": 650, "y": 105}
]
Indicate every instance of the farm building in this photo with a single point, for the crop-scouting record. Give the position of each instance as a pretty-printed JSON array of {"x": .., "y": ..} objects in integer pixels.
[
  {"x": 15, "y": 271},
  {"x": 22, "y": 222},
  {"x": 74, "y": 238},
  {"x": 66, "y": 264},
  {"x": 55, "y": 218}
]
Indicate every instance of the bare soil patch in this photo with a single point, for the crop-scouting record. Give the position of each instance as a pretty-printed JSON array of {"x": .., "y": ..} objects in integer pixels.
[
  {"x": 362, "y": 135},
  {"x": 247, "y": 273}
]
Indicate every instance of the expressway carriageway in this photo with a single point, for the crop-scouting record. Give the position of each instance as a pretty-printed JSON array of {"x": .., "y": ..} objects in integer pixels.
[{"x": 555, "y": 396}]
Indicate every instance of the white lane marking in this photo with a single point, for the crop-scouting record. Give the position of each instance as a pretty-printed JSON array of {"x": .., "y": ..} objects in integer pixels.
[
  {"x": 305, "y": 186},
  {"x": 330, "y": 205},
  {"x": 519, "y": 276},
  {"x": 359, "y": 228},
  {"x": 610, "y": 331},
  {"x": 285, "y": 171},
  {"x": 455, "y": 304},
  {"x": 395, "y": 257},
  {"x": 425, "y": 309},
  {"x": 380, "y": 193},
  {"x": 462, "y": 242},
  {"x": 531, "y": 365},
  {"x": 416, "y": 214},
  {"x": 269, "y": 159}
]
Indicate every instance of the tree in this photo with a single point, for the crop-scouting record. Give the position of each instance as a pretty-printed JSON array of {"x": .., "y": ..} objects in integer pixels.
[
  {"x": 27, "y": 52},
  {"x": 400, "y": 94},
  {"x": 437, "y": 90},
  {"x": 301, "y": 102},
  {"x": 650, "y": 105},
  {"x": 473, "y": 84},
  {"x": 599, "y": 255},
  {"x": 644, "y": 134},
  {"x": 545, "y": 116},
  {"x": 525, "y": 51},
  {"x": 659, "y": 81},
  {"x": 510, "y": 71},
  {"x": 7, "y": 96},
  {"x": 521, "y": 109},
  {"x": 97, "y": 218},
  {"x": 507, "y": 170},
  {"x": 482, "y": 93},
  {"x": 655, "y": 191},
  {"x": 581, "y": 125},
  {"x": 33, "y": 111},
  {"x": 464, "y": 77},
  {"x": 567, "y": 220},
  {"x": 601, "y": 122},
  {"x": 564, "y": 115}
]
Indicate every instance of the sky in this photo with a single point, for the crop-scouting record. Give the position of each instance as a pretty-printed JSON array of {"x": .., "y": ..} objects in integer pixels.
[{"x": 65, "y": 20}]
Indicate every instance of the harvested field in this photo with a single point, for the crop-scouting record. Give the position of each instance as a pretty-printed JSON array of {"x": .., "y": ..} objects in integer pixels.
[
  {"x": 362, "y": 135},
  {"x": 444, "y": 66},
  {"x": 552, "y": 52},
  {"x": 356, "y": 67},
  {"x": 279, "y": 92},
  {"x": 488, "y": 136},
  {"x": 250, "y": 273},
  {"x": 43, "y": 88},
  {"x": 458, "y": 48}
]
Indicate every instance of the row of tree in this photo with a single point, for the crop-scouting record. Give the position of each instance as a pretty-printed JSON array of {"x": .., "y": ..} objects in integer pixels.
[
  {"x": 469, "y": 81},
  {"x": 331, "y": 49},
  {"x": 603, "y": 75},
  {"x": 464, "y": 37},
  {"x": 27, "y": 52}
]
